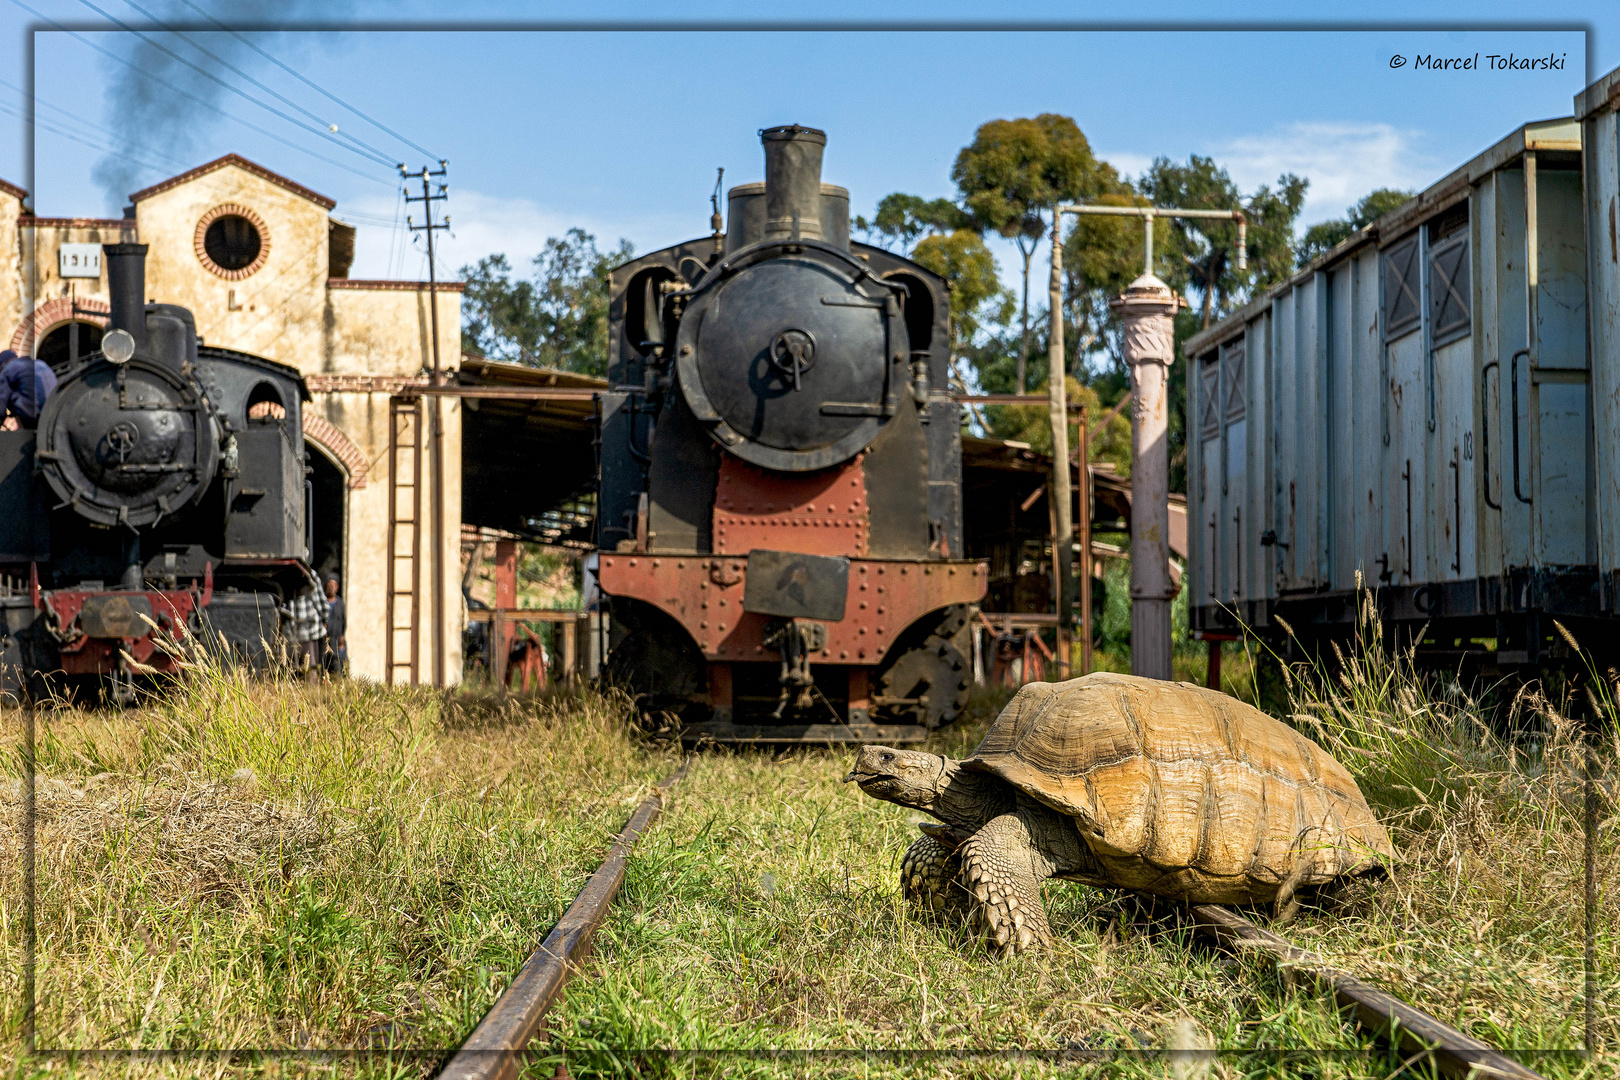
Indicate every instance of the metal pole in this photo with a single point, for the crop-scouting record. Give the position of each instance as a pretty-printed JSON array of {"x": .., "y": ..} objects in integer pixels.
[
  {"x": 1058, "y": 408},
  {"x": 1085, "y": 545},
  {"x": 435, "y": 446}
]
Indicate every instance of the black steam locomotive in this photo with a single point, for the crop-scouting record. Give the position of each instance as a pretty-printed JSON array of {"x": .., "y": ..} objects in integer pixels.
[
  {"x": 163, "y": 496},
  {"x": 779, "y": 475}
]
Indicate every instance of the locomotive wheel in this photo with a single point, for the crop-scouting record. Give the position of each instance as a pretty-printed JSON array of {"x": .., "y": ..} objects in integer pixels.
[
  {"x": 927, "y": 684},
  {"x": 656, "y": 663}
]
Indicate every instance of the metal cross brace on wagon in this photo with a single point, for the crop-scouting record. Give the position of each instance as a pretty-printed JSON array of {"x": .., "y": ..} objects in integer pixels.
[{"x": 1150, "y": 509}]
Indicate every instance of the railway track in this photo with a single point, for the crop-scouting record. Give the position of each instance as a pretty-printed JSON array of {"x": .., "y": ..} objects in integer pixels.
[{"x": 498, "y": 1047}]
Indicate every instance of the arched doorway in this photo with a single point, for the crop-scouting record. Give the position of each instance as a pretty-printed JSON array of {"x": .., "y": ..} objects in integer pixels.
[
  {"x": 328, "y": 506},
  {"x": 56, "y": 348}
]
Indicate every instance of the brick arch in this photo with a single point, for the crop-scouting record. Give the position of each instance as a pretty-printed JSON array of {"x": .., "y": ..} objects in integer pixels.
[
  {"x": 319, "y": 430},
  {"x": 46, "y": 316}
]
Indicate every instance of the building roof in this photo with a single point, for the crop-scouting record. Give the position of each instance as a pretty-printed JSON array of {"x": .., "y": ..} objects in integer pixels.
[
  {"x": 246, "y": 166},
  {"x": 396, "y": 286},
  {"x": 12, "y": 189},
  {"x": 28, "y": 220},
  {"x": 523, "y": 462}
]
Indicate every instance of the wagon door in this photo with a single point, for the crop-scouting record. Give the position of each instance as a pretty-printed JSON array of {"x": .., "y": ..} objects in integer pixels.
[
  {"x": 1601, "y": 146},
  {"x": 1234, "y": 391},
  {"x": 1554, "y": 375},
  {"x": 1210, "y": 478},
  {"x": 1451, "y": 482},
  {"x": 1405, "y": 460}
]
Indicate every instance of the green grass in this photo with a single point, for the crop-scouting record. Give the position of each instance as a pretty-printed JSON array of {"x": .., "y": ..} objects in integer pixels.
[{"x": 255, "y": 864}]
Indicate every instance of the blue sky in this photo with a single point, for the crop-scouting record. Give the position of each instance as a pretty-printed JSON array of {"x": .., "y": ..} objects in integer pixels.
[{"x": 620, "y": 131}]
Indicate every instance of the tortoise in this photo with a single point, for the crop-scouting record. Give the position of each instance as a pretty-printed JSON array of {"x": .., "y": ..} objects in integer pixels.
[{"x": 1163, "y": 788}]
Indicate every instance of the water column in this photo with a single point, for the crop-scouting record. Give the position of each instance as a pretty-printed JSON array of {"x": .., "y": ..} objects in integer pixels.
[{"x": 1147, "y": 310}]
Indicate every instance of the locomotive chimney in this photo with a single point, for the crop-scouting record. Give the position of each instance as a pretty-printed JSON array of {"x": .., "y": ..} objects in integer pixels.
[
  {"x": 793, "y": 182},
  {"x": 126, "y": 286}
]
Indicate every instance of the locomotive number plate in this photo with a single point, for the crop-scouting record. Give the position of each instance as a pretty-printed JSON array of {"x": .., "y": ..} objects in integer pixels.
[{"x": 793, "y": 586}]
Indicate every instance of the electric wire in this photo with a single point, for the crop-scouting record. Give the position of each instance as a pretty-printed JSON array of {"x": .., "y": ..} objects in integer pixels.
[
  {"x": 77, "y": 119},
  {"x": 379, "y": 125},
  {"x": 46, "y": 125},
  {"x": 210, "y": 76},
  {"x": 191, "y": 97},
  {"x": 330, "y": 131}
]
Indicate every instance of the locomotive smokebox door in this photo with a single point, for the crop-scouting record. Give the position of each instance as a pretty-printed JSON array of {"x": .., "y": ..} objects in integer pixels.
[
  {"x": 793, "y": 586},
  {"x": 789, "y": 350}
]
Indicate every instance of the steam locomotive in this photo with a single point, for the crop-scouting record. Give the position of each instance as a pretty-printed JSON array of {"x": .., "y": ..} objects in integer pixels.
[
  {"x": 163, "y": 496},
  {"x": 779, "y": 475}
]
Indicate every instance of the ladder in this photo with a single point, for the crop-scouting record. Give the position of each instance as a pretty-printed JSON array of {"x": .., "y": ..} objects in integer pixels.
[{"x": 402, "y": 662}]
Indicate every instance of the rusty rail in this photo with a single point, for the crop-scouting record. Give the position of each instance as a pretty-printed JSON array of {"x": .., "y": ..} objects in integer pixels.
[
  {"x": 496, "y": 1048},
  {"x": 1414, "y": 1031}
]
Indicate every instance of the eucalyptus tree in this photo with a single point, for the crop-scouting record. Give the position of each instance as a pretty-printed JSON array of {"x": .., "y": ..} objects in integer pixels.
[{"x": 1013, "y": 174}]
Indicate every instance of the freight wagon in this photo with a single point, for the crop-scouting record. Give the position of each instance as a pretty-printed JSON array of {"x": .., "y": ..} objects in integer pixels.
[{"x": 1430, "y": 410}]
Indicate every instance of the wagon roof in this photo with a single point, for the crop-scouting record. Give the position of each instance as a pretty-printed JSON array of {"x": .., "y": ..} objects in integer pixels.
[
  {"x": 1604, "y": 92},
  {"x": 1559, "y": 133}
]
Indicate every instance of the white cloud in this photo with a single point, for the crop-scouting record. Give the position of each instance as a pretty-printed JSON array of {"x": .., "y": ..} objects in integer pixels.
[
  {"x": 1343, "y": 161},
  {"x": 480, "y": 225}
]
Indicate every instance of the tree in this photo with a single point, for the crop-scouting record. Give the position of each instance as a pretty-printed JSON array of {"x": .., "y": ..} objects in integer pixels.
[
  {"x": 969, "y": 269},
  {"x": 1011, "y": 176},
  {"x": 557, "y": 319},
  {"x": 1325, "y": 235},
  {"x": 902, "y": 218},
  {"x": 1206, "y": 246},
  {"x": 1102, "y": 255}
]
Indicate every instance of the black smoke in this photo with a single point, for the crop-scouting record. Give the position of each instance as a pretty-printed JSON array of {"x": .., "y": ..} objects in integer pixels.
[{"x": 158, "y": 105}]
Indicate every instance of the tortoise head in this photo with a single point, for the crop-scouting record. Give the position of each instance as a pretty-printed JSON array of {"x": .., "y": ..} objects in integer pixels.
[{"x": 906, "y": 777}]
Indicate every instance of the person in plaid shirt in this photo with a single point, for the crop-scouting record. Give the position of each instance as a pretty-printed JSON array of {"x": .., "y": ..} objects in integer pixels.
[{"x": 308, "y": 616}]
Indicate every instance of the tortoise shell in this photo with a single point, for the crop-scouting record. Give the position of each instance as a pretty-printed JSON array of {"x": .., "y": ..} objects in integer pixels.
[{"x": 1183, "y": 791}]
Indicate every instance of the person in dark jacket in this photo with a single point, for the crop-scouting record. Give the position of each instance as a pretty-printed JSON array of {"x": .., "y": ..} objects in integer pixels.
[
  {"x": 337, "y": 625},
  {"x": 25, "y": 383}
]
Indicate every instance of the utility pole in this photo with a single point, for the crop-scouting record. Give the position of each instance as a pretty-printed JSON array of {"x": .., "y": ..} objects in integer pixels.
[
  {"x": 435, "y": 422},
  {"x": 1147, "y": 310}
]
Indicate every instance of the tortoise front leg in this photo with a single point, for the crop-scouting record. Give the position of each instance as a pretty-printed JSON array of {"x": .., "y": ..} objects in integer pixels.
[
  {"x": 1003, "y": 870},
  {"x": 930, "y": 877}
]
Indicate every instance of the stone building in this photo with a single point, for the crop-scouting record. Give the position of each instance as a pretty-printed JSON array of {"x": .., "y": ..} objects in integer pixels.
[{"x": 264, "y": 266}]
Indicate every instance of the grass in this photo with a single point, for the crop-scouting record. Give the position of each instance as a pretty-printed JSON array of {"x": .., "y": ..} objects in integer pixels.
[{"x": 265, "y": 865}]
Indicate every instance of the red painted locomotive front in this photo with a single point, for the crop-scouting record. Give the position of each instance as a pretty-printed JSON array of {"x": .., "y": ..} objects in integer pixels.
[
  {"x": 821, "y": 513},
  {"x": 96, "y": 629},
  {"x": 825, "y": 514}
]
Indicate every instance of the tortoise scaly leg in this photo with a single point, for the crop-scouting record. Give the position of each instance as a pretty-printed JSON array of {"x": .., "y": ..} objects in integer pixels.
[
  {"x": 1003, "y": 870},
  {"x": 930, "y": 877}
]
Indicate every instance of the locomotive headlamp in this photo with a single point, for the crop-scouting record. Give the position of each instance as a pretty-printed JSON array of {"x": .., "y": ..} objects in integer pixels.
[{"x": 118, "y": 346}]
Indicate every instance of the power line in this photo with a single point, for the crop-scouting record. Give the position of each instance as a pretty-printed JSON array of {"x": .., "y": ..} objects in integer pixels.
[
  {"x": 191, "y": 97},
  {"x": 76, "y": 118},
  {"x": 210, "y": 76},
  {"x": 54, "y": 130},
  {"x": 370, "y": 150},
  {"x": 379, "y": 125}
]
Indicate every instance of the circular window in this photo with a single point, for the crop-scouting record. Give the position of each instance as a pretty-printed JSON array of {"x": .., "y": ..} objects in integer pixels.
[{"x": 232, "y": 241}]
